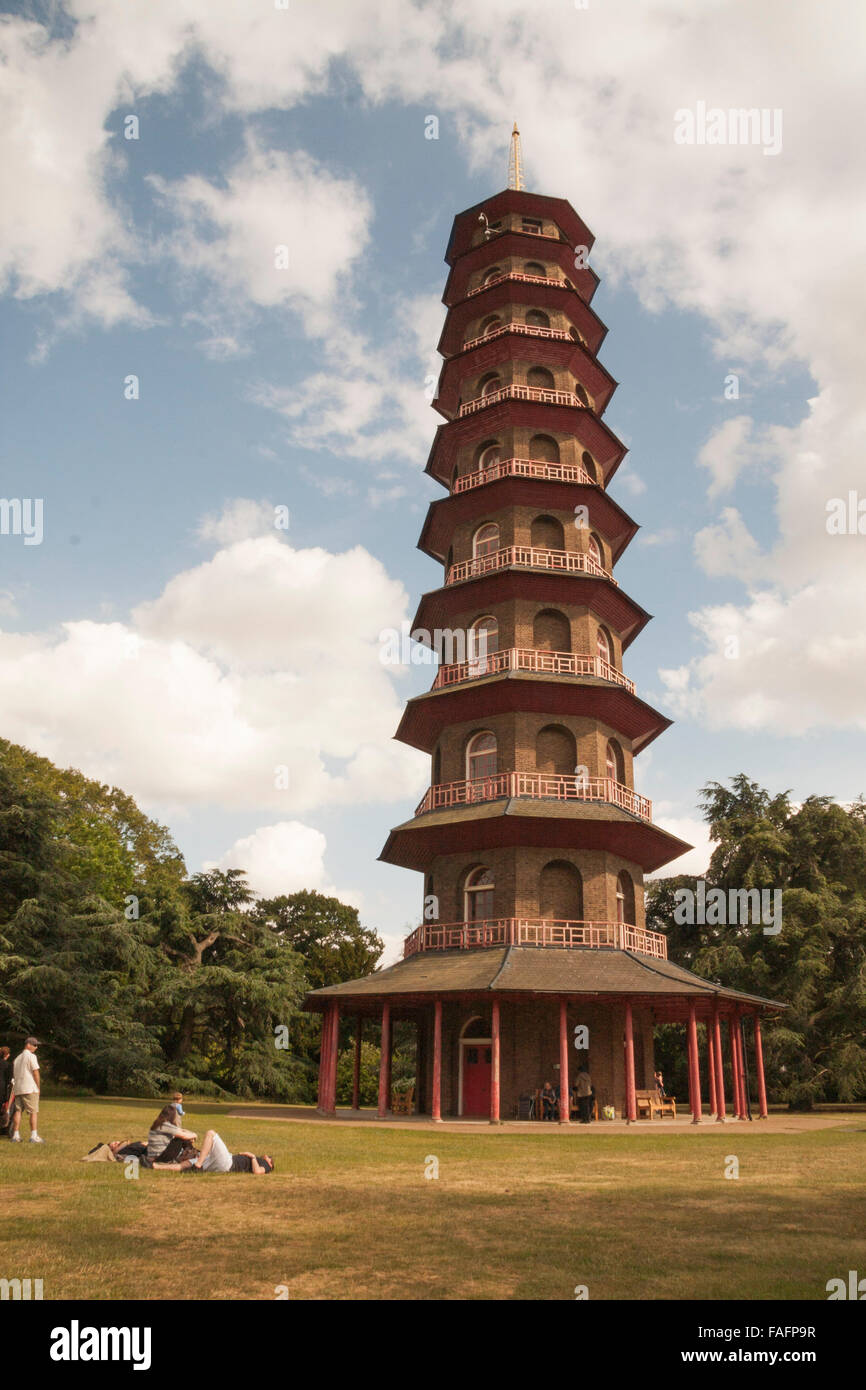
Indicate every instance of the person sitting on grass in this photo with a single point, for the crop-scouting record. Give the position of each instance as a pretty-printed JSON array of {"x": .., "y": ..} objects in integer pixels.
[
  {"x": 215, "y": 1158},
  {"x": 163, "y": 1131}
]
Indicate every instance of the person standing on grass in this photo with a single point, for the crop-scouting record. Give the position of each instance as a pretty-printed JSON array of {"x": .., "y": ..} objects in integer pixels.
[
  {"x": 25, "y": 1085},
  {"x": 5, "y": 1077},
  {"x": 583, "y": 1091}
]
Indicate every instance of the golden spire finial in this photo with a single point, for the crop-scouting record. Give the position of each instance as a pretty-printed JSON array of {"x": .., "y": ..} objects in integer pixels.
[{"x": 515, "y": 162}]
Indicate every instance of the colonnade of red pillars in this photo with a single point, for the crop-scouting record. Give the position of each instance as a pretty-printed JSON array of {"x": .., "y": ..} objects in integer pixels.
[{"x": 327, "y": 1097}]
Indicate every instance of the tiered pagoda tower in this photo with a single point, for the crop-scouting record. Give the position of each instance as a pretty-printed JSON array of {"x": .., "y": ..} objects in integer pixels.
[{"x": 532, "y": 838}]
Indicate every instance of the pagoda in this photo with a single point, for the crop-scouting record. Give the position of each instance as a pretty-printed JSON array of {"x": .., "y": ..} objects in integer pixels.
[{"x": 533, "y": 958}]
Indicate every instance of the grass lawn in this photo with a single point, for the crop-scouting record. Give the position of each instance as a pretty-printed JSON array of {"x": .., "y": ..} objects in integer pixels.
[{"x": 349, "y": 1213}]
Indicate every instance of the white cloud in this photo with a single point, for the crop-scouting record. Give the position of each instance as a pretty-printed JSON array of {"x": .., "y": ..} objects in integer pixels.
[
  {"x": 255, "y": 668},
  {"x": 285, "y": 857},
  {"x": 239, "y": 520}
]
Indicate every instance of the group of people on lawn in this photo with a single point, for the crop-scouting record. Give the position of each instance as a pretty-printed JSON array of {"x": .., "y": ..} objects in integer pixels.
[
  {"x": 172, "y": 1149},
  {"x": 581, "y": 1096}
]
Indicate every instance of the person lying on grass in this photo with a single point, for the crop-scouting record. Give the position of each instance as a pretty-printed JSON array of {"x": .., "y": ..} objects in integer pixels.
[{"x": 215, "y": 1158}]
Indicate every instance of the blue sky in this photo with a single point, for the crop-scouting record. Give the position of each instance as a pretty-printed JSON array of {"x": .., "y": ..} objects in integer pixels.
[{"x": 165, "y": 637}]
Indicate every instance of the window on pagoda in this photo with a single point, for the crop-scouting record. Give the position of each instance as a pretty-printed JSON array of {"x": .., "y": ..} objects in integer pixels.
[
  {"x": 544, "y": 449},
  {"x": 531, "y": 224},
  {"x": 625, "y": 899},
  {"x": 481, "y": 757},
  {"x": 551, "y": 631},
  {"x": 486, "y": 540},
  {"x": 491, "y": 324},
  {"x": 478, "y": 896},
  {"x": 603, "y": 645},
  {"x": 483, "y": 639},
  {"x": 533, "y": 268},
  {"x": 560, "y": 892},
  {"x": 541, "y": 379},
  {"x": 546, "y": 533},
  {"x": 488, "y": 454},
  {"x": 490, "y": 383},
  {"x": 588, "y": 462},
  {"x": 555, "y": 751},
  {"x": 537, "y": 318},
  {"x": 581, "y": 394},
  {"x": 492, "y": 274},
  {"x": 614, "y": 762},
  {"x": 595, "y": 550}
]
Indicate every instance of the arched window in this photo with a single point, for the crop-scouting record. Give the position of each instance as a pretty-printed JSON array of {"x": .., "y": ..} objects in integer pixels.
[
  {"x": 560, "y": 892},
  {"x": 491, "y": 274},
  {"x": 487, "y": 454},
  {"x": 555, "y": 751},
  {"x": 486, "y": 540},
  {"x": 588, "y": 463},
  {"x": 546, "y": 533},
  {"x": 595, "y": 550},
  {"x": 541, "y": 379},
  {"x": 551, "y": 631},
  {"x": 481, "y": 757},
  {"x": 581, "y": 394},
  {"x": 544, "y": 448},
  {"x": 484, "y": 639},
  {"x": 537, "y": 318},
  {"x": 478, "y": 896},
  {"x": 490, "y": 383},
  {"x": 491, "y": 324},
  {"x": 603, "y": 644},
  {"x": 614, "y": 762},
  {"x": 533, "y": 268},
  {"x": 625, "y": 899},
  {"x": 437, "y": 766}
]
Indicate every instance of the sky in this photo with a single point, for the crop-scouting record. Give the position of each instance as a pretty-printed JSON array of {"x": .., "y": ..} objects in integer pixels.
[{"x": 222, "y": 234}]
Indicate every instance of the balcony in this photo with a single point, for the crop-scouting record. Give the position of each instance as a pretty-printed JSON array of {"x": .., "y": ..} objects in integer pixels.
[
  {"x": 528, "y": 557},
  {"x": 526, "y": 931},
  {"x": 523, "y": 468},
  {"x": 522, "y": 393},
  {"x": 543, "y": 663},
  {"x": 541, "y": 786},
  {"x": 527, "y": 329},
  {"x": 523, "y": 278}
]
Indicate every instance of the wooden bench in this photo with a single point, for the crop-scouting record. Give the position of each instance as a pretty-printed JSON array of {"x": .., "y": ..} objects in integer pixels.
[
  {"x": 403, "y": 1102},
  {"x": 650, "y": 1104}
]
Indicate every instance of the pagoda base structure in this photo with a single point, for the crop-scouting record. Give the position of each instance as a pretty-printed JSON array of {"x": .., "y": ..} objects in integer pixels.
[{"x": 493, "y": 1024}]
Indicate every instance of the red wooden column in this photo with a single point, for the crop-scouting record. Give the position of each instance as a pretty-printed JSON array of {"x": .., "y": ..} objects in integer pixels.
[
  {"x": 759, "y": 1068},
  {"x": 630, "y": 1101},
  {"x": 564, "y": 1096},
  {"x": 720, "y": 1073},
  {"x": 329, "y": 1077},
  {"x": 741, "y": 1066},
  {"x": 494, "y": 1071},
  {"x": 694, "y": 1067},
  {"x": 385, "y": 1064},
  {"x": 356, "y": 1071},
  {"x": 711, "y": 1064},
  {"x": 323, "y": 1060},
  {"x": 733, "y": 1039},
  {"x": 437, "y": 1061}
]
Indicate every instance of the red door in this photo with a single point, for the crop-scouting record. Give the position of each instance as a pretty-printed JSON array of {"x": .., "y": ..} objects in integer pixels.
[{"x": 477, "y": 1067}]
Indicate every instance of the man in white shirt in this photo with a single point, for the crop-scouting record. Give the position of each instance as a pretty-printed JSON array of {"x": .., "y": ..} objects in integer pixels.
[{"x": 25, "y": 1088}]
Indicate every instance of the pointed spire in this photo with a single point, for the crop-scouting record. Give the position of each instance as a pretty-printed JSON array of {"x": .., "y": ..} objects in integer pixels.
[{"x": 515, "y": 161}]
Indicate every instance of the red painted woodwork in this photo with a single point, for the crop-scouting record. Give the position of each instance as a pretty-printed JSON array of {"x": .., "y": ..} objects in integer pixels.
[
  {"x": 694, "y": 1067},
  {"x": 711, "y": 1068},
  {"x": 564, "y": 1089},
  {"x": 356, "y": 1070},
  {"x": 759, "y": 1068},
  {"x": 436, "y": 1107},
  {"x": 477, "y": 1078},
  {"x": 385, "y": 1064},
  {"x": 494, "y": 1073},
  {"x": 630, "y": 1098},
  {"x": 720, "y": 1070}
]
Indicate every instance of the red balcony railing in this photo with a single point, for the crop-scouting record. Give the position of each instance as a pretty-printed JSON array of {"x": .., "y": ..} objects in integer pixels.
[
  {"x": 528, "y": 557},
  {"x": 530, "y": 659},
  {"x": 525, "y": 931},
  {"x": 529, "y": 330},
  {"x": 522, "y": 276},
  {"x": 523, "y": 468},
  {"x": 517, "y": 392},
  {"x": 543, "y": 786}
]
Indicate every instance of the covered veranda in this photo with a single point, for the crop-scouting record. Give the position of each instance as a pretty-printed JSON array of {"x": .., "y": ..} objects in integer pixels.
[{"x": 532, "y": 1000}]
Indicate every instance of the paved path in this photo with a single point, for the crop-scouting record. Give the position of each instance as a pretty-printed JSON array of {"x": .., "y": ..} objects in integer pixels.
[{"x": 777, "y": 1123}]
